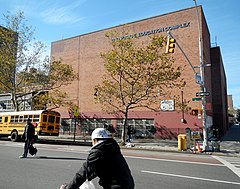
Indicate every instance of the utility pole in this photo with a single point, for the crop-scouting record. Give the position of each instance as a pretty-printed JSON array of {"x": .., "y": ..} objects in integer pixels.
[{"x": 203, "y": 88}]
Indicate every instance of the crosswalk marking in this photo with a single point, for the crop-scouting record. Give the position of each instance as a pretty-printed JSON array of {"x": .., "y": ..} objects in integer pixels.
[{"x": 232, "y": 163}]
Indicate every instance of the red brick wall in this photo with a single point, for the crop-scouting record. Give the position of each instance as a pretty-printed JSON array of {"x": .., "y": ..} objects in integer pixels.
[{"x": 83, "y": 53}]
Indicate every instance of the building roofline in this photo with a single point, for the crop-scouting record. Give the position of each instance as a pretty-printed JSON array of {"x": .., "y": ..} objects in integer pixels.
[{"x": 127, "y": 23}]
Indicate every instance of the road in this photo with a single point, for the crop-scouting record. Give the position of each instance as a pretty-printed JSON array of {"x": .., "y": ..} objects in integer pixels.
[{"x": 56, "y": 164}]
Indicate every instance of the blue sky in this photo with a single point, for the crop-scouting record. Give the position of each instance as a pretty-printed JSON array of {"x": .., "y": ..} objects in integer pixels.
[{"x": 57, "y": 19}]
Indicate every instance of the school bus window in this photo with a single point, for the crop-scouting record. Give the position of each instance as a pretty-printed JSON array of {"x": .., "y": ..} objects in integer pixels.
[
  {"x": 44, "y": 118},
  {"x": 5, "y": 119},
  {"x": 12, "y": 119},
  {"x": 36, "y": 118},
  {"x": 57, "y": 119},
  {"x": 51, "y": 119},
  {"x": 16, "y": 118},
  {"x": 25, "y": 118},
  {"x": 21, "y": 119},
  {"x": 0, "y": 119}
]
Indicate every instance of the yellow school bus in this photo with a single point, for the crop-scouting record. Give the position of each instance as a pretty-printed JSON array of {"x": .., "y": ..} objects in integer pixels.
[{"x": 46, "y": 122}]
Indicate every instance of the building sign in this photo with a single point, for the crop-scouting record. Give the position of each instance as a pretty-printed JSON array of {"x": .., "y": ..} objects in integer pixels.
[
  {"x": 167, "y": 105},
  {"x": 154, "y": 31}
]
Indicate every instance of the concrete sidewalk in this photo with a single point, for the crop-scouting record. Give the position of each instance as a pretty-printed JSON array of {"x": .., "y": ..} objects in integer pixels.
[
  {"x": 230, "y": 143},
  {"x": 231, "y": 148}
]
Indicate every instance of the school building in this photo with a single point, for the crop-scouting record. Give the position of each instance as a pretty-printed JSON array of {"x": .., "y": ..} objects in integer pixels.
[{"x": 83, "y": 54}]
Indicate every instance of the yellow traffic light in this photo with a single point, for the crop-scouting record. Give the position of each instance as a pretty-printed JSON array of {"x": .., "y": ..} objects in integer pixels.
[{"x": 170, "y": 45}]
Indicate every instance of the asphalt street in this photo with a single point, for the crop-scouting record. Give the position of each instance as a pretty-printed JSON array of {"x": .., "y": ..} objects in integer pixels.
[{"x": 57, "y": 164}]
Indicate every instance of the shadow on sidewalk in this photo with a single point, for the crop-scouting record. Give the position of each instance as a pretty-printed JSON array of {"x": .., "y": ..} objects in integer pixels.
[{"x": 233, "y": 134}]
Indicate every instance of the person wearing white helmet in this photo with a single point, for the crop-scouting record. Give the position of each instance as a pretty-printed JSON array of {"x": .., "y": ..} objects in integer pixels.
[{"x": 105, "y": 161}]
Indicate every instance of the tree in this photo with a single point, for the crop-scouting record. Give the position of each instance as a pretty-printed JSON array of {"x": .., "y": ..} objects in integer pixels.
[
  {"x": 137, "y": 75},
  {"x": 238, "y": 115},
  {"x": 24, "y": 70}
]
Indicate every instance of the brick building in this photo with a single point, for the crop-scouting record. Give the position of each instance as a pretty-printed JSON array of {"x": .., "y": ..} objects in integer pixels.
[{"x": 83, "y": 53}]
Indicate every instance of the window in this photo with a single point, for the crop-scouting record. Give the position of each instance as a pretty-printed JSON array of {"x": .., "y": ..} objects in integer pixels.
[
  {"x": 196, "y": 112},
  {"x": 5, "y": 119},
  {"x": 36, "y": 118},
  {"x": 21, "y": 119},
  {"x": 51, "y": 119},
  {"x": 30, "y": 117},
  {"x": 88, "y": 125},
  {"x": 44, "y": 118},
  {"x": 57, "y": 119},
  {"x": 137, "y": 124},
  {"x": 25, "y": 118},
  {"x": 65, "y": 125},
  {"x": 16, "y": 118},
  {"x": 12, "y": 119}
]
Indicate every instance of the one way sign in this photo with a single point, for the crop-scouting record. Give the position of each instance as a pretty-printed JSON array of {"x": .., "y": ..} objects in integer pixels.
[{"x": 202, "y": 93}]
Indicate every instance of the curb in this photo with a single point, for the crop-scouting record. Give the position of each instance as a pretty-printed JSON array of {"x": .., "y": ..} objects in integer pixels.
[{"x": 136, "y": 146}]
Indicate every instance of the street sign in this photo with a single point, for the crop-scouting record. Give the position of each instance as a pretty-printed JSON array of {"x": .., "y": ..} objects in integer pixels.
[
  {"x": 202, "y": 93},
  {"x": 198, "y": 79},
  {"x": 196, "y": 99},
  {"x": 196, "y": 135}
]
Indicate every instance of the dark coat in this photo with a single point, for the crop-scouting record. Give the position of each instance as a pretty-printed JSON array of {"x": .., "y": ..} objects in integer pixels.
[
  {"x": 105, "y": 161},
  {"x": 29, "y": 131},
  {"x": 130, "y": 130}
]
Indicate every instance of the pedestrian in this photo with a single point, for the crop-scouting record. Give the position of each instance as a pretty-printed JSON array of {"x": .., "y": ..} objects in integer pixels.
[
  {"x": 110, "y": 129},
  {"x": 129, "y": 133},
  {"x": 28, "y": 136},
  {"x": 105, "y": 161}
]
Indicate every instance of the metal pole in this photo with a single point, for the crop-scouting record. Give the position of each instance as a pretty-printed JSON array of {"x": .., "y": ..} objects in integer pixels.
[
  {"x": 183, "y": 118},
  {"x": 75, "y": 124},
  {"x": 203, "y": 88},
  {"x": 75, "y": 112}
]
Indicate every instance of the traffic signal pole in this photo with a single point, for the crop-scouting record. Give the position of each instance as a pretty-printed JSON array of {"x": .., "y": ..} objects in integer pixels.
[
  {"x": 199, "y": 80},
  {"x": 203, "y": 88}
]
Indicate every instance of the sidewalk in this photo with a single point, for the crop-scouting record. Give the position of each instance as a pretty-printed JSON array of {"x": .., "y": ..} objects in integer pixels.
[
  {"x": 230, "y": 148},
  {"x": 230, "y": 144},
  {"x": 231, "y": 141}
]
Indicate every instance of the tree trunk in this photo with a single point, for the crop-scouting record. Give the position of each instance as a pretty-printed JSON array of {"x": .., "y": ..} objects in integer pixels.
[
  {"x": 123, "y": 138},
  {"x": 14, "y": 101}
]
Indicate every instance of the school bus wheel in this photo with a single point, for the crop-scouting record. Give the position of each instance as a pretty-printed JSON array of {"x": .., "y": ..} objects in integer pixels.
[{"x": 14, "y": 136}]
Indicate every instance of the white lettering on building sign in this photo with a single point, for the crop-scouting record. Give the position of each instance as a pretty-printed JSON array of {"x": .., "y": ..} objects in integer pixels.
[
  {"x": 167, "y": 105},
  {"x": 154, "y": 31}
]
